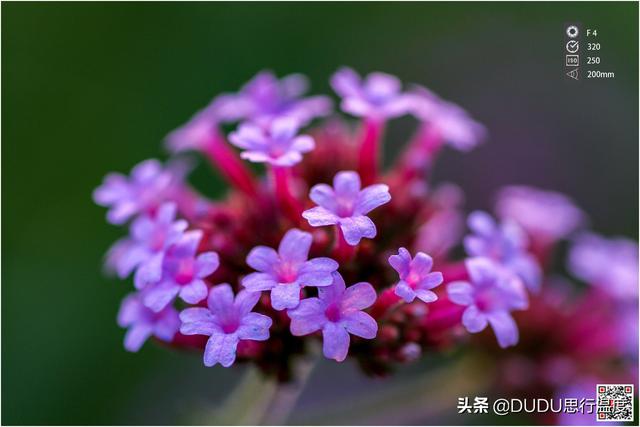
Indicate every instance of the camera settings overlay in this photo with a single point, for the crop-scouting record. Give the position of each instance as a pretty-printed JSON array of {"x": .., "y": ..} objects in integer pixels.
[{"x": 582, "y": 49}]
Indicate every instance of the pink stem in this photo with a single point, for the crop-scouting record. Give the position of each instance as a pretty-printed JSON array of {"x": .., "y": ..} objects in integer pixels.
[
  {"x": 342, "y": 251},
  {"x": 370, "y": 150},
  {"x": 291, "y": 206},
  {"x": 419, "y": 156},
  {"x": 229, "y": 165}
]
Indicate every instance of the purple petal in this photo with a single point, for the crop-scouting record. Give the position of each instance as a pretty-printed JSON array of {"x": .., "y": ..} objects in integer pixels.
[
  {"x": 323, "y": 195},
  {"x": 289, "y": 158},
  {"x": 426, "y": 296},
  {"x": 220, "y": 300},
  {"x": 346, "y": 82},
  {"x": 504, "y": 327},
  {"x": 263, "y": 259},
  {"x": 221, "y": 348},
  {"x": 136, "y": 336},
  {"x": 303, "y": 144},
  {"x": 167, "y": 325},
  {"x": 358, "y": 107},
  {"x": 335, "y": 341},
  {"x": 285, "y": 295},
  {"x": 430, "y": 281},
  {"x": 150, "y": 272},
  {"x": 358, "y": 297},
  {"x": 194, "y": 292},
  {"x": 146, "y": 170},
  {"x": 481, "y": 270},
  {"x": 254, "y": 326},
  {"x": 401, "y": 262},
  {"x": 404, "y": 291},
  {"x": 249, "y": 137},
  {"x": 475, "y": 245},
  {"x": 256, "y": 156},
  {"x": 295, "y": 245},
  {"x": 245, "y": 301},
  {"x": 129, "y": 311},
  {"x": 356, "y": 228},
  {"x": 482, "y": 223},
  {"x": 346, "y": 184},
  {"x": 382, "y": 85},
  {"x": 332, "y": 293},
  {"x": 120, "y": 213},
  {"x": 206, "y": 264},
  {"x": 166, "y": 213},
  {"x": 421, "y": 264},
  {"x": 256, "y": 282},
  {"x": 142, "y": 228},
  {"x": 198, "y": 321},
  {"x": 284, "y": 128},
  {"x": 474, "y": 320},
  {"x": 361, "y": 324},
  {"x": 372, "y": 197},
  {"x": 528, "y": 269},
  {"x": 320, "y": 216},
  {"x": 317, "y": 272},
  {"x": 308, "y": 317},
  {"x": 158, "y": 296},
  {"x": 187, "y": 245},
  {"x": 460, "y": 293},
  {"x": 124, "y": 256}
]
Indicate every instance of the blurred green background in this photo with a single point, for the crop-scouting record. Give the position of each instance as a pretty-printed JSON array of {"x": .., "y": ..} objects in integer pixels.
[{"x": 94, "y": 87}]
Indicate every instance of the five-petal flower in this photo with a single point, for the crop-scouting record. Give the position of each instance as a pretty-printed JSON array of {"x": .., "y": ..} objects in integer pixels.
[
  {"x": 288, "y": 270},
  {"x": 490, "y": 296},
  {"x": 143, "y": 322},
  {"x": 226, "y": 321},
  {"x": 178, "y": 272},
  {"x": 150, "y": 236},
  {"x": 378, "y": 96},
  {"x": 347, "y": 205},
  {"x": 504, "y": 243},
  {"x": 416, "y": 278},
  {"x": 337, "y": 312},
  {"x": 277, "y": 144}
]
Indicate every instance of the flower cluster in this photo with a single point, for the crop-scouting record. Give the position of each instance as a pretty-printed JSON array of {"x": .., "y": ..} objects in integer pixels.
[{"x": 328, "y": 245}]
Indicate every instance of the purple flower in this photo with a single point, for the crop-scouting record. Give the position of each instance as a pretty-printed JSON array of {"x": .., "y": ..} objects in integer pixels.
[
  {"x": 266, "y": 98},
  {"x": 337, "y": 312},
  {"x": 609, "y": 264},
  {"x": 287, "y": 271},
  {"x": 540, "y": 213},
  {"x": 347, "y": 206},
  {"x": 378, "y": 95},
  {"x": 490, "y": 297},
  {"x": 447, "y": 120},
  {"x": 178, "y": 272},
  {"x": 147, "y": 187},
  {"x": 143, "y": 322},
  {"x": 416, "y": 278},
  {"x": 226, "y": 321},
  {"x": 194, "y": 134},
  {"x": 506, "y": 244},
  {"x": 278, "y": 144},
  {"x": 150, "y": 236}
]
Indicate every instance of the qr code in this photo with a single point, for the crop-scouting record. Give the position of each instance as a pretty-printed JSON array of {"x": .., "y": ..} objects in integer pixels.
[{"x": 615, "y": 402}]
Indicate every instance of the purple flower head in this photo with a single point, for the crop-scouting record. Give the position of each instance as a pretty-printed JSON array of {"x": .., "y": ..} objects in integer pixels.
[
  {"x": 287, "y": 271},
  {"x": 150, "y": 236},
  {"x": 265, "y": 98},
  {"x": 347, "y": 206},
  {"x": 143, "y": 322},
  {"x": 194, "y": 134},
  {"x": 379, "y": 95},
  {"x": 226, "y": 321},
  {"x": 540, "y": 213},
  {"x": 278, "y": 144},
  {"x": 416, "y": 278},
  {"x": 448, "y": 120},
  {"x": 148, "y": 185},
  {"x": 178, "y": 272},
  {"x": 490, "y": 296},
  {"x": 506, "y": 244},
  {"x": 337, "y": 312},
  {"x": 609, "y": 264}
]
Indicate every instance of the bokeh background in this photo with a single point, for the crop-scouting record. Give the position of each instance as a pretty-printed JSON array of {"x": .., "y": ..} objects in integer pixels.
[{"x": 94, "y": 87}]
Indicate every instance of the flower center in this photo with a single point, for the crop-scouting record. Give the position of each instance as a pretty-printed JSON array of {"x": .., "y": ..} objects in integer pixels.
[
  {"x": 230, "y": 326},
  {"x": 287, "y": 272},
  {"x": 344, "y": 207},
  {"x": 157, "y": 241},
  {"x": 332, "y": 312},
  {"x": 185, "y": 271},
  {"x": 412, "y": 279}
]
